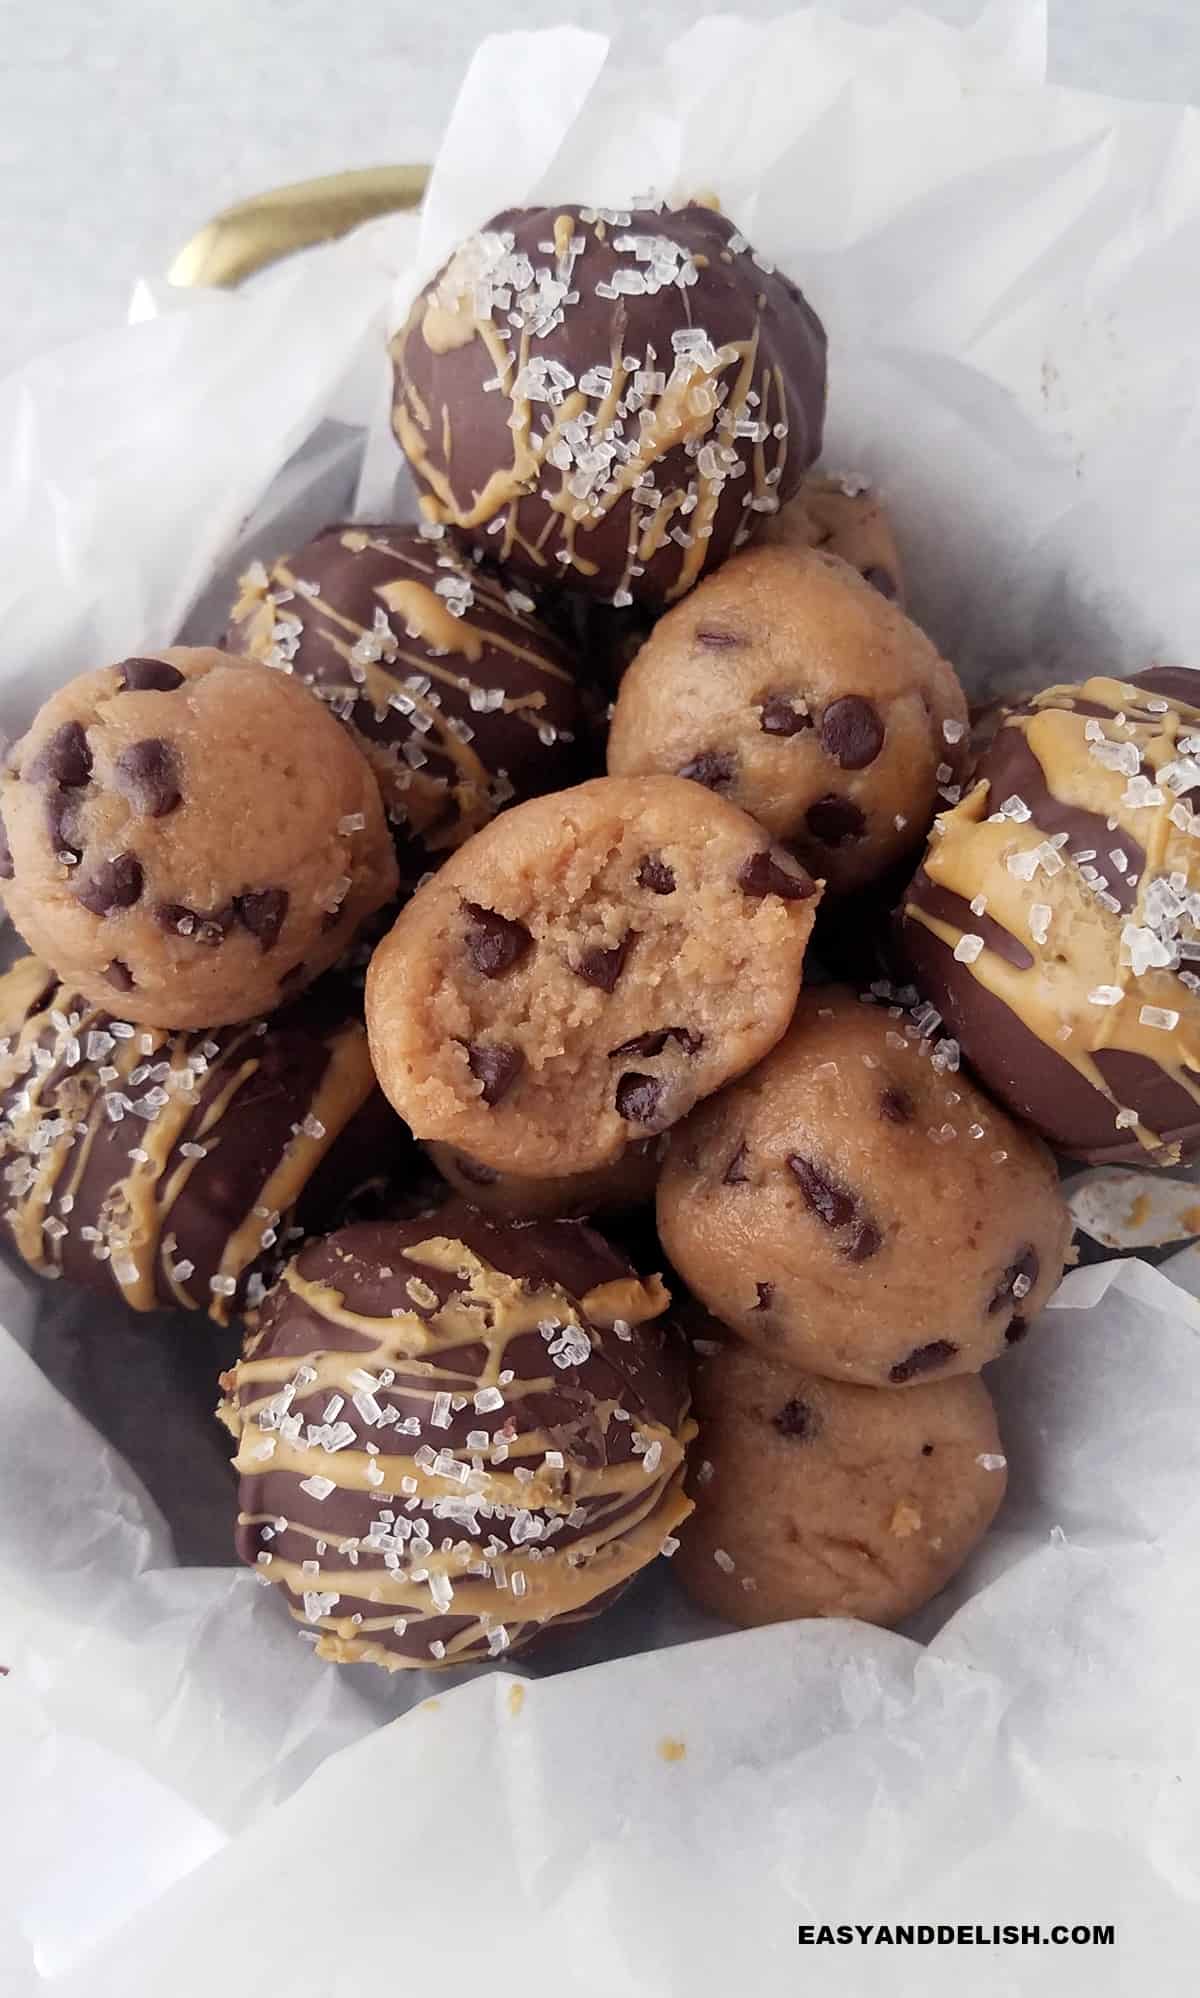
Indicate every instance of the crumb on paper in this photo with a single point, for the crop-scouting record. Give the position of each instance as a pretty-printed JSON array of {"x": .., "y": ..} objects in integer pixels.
[
  {"x": 1139, "y": 1211},
  {"x": 427, "y": 1706},
  {"x": 516, "y": 1698},
  {"x": 672, "y": 1749},
  {"x": 906, "y": 1520},
  {"x": 1190, "y": 1219}
]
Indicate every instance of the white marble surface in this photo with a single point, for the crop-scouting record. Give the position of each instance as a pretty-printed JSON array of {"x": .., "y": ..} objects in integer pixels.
[{"x": 124, "y": 126}]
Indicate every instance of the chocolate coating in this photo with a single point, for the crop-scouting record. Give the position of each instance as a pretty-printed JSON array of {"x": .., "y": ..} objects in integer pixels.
[
  {"x": 565, "y": 357},
  {"x": 462, "y": 699},
  {"x": 528, "y": 1410},
  {"x": 1081, "y": 1010},
  {"x": 122, "y": 1176}
]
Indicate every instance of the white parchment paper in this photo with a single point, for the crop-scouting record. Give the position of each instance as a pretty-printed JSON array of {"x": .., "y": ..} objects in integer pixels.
[{"x": 1010, "y": 276}]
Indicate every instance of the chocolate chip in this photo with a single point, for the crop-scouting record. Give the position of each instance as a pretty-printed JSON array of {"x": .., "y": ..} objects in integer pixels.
[
  {"x": 711, "y": 634},
  {"x": 826, "y": 1198},
  {"x": 765, "y": 1292},
  {"x": 65, "y": 758},
  {"x": 882, "y": 580},
  {"x": 638, "y": 1097},
  {"x": 923, "y": 1360},
  {"x": 656, "y": 875},
  {"x": 897, "y": 1106},
  {"x": 148, "y": 775},
  {"x": 797, "y": 1420},
  {"x": 494, "y": 942},
  {"x": 851, "y": 732},
  {"x": 763, "y": 874},
  {"x": 867, "y": 1242},
  {"x": 7, "y": 870},
  {"x": 604, "y": 967},
  {"x": 195, "y": 924},
  {"x": 927, "y": 1449},
  {"x": 1017, "y": 1328},
  {"x": 145, "y": 676},
  {"x": 735, "y": 1172},
  {"x": 653, "y": 1043},
  {"x": 712, "y": 768},
  {"x": 1027, "y": 1264},
  {"x": 118, "y": 973},
  {"x": 477, "y": 1173},
  {"x": 835, "y": 821},
  {"x": 779, "y": 717},
  {"x": 115, "y": 884},
  {"x": 62, "y": 825},
  {"x": 496, "y": 1065},
  {"x": 263, "y": 914}
]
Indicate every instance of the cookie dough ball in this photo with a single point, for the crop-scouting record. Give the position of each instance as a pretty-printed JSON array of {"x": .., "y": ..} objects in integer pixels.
[
  {"x": 190, "y": 838},
  {"x": 610, "y": 1189},
  {"x": 453, "y": 1432},
  {"x": 608, "y": 399},
  {"x": 1056, "y": 920},
  {"x": 179, "y": 1169},
  {"x": 818, "y": 1499},
  {"x": 460, "y": 697},
  {"x": 584, "y": 970},
  {"x": 859, "y": 1209},
  {"x": 789, "y": 685},
  {"x": 842, "y": 516}
]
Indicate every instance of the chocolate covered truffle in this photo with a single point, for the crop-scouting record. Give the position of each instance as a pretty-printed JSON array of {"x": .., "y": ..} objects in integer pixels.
[
  {"x": 179, "y": 1169},
  {"x": 460, "y": 697},
  {"x": 842, "y": 515},
  {"x": 610, "y": 1189},
  {"x": 609, "y": 398},
  {"x": 190, "y": 838},
  {"x": 857, "y": 1208},
  {"x": 791, "y": 686},
  {"x": 453, "y": 1433},
  {"x": 814, "y": 1498},
  {"x": 584, "y": 970},
  {"x": 1056, "y": 920}
]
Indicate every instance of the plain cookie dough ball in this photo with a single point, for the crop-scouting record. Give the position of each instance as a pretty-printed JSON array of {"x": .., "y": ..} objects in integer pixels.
[
  {"x": 857, "y": 1208},
  {"x": 608, "y": 399},
  {"x": 176, "y": 1169},
  {"x": 461, "y": 699},
  {"x": 610, "y": 1189},
  {"x": 453, "y": 1433},
  {"x": 814, "y": 1498},
  {"x": 1055, "y": 922},
  {"x": 842, "y": 516},
  {"x": 790, "y": 686},
  {"x": 190, "y": 838},
  {"x": 583, "y": 971}
]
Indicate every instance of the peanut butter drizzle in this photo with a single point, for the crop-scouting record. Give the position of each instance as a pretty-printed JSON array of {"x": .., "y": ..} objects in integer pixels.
[
  {"x": 134, "y": 1219},
  {"x": 447, "y": 319},
  {"x": 1082, "y": 952},
  {"x": 491, "y": 1309}
]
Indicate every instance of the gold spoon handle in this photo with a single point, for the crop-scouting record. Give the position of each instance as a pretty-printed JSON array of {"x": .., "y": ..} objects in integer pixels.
[{"x": 258, "y": 232}]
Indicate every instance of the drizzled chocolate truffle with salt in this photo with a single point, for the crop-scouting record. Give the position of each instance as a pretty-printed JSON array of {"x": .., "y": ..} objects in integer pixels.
[
  {"x": 610, "y": 399},
  {"x": 453, "y": 1433},
  {"x": 461, "y": 699},
  {"x": 179, "y": 1169},
  {"x": 1055, "y": 922},
  {"x": 855, "y": 1207},
  {"x": 190, "y": 838}
]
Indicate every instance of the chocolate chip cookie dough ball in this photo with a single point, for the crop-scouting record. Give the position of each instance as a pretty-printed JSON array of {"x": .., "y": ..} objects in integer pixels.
[
  {"x": 584, "y": 970},
  {"x": 608, "y": 399},
  {"x": 178, "y": 1169},
  {"x": 842, "y": 515},
  {"x": 460, "y": 697},
  {"x": 1055, "y": 922},
  {"x": 610, "y": 1189},
  {"x": 788, "y": 685},
  {"x": 814, "y": 1498},
  {"x": 857, "y": 1208},
  {"x": 452, "y": 1433},
  {"x": 189, "y": 838}
]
